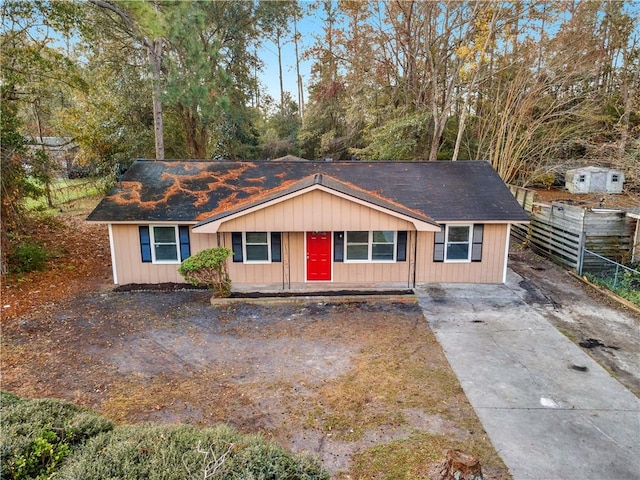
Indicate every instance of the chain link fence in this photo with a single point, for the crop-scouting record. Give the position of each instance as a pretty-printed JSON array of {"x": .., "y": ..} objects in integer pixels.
[{"x": 620, "y": 279}]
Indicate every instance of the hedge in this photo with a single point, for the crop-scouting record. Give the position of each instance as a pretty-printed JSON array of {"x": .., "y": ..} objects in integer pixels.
[{"x": 42, "y": 439}]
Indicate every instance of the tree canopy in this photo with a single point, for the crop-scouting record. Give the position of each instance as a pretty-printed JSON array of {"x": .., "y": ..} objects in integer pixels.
[{"x": 531, "y": 86}]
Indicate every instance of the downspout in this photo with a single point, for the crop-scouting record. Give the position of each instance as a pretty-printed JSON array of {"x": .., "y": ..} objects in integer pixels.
[
  {"x": 112, "y": 248},
  {"x": 289, "y": 258},
  {"x": 408, "y": 258},
  {"x": 415, "y": 258}
]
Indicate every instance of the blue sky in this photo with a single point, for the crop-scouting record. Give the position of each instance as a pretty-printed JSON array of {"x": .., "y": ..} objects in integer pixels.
[{"x": 308, "y": 26}]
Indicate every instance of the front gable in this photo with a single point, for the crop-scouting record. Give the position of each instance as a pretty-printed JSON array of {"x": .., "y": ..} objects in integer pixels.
[
  {"x": 317, "y": 203},
  {"x": 315, "y": 209}
]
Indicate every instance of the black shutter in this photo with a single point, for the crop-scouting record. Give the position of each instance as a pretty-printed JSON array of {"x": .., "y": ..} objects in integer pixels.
[
  {"x": 476, "y": 246},
  {"x": 276, "y": 248},
  {"x": 438, "y": 245},
  {"x": 338, "y": 246},
  {"x": 236, "y": 246},
  {"x": 145, "y": 243},
  {"x": 185, "y": 245},
  {"x": 401, "y": 247}
]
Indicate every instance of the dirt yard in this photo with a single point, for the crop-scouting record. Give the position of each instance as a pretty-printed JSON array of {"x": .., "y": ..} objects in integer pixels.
[{"x": 362, "y": 384}]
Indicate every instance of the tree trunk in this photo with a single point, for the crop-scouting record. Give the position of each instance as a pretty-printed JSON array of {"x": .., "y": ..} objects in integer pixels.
[
  {"x": 154, "y": 53},
  {"x": 628, "y": 93},
  {"x": 279, "y": 47},
  {"x": 300, "y": 88}
]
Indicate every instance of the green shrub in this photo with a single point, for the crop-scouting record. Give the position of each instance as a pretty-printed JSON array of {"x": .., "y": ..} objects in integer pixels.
[
  {"x": 7, "y": 399},
  {"x": 209, "y": 267},
  {"x": 28, "y": 256},
  {"x": 41, "y": 458},
  {"x": 43, "y": 439},
  {"x": 179, "y": 452},
  {"x": 37, "y": 435}
]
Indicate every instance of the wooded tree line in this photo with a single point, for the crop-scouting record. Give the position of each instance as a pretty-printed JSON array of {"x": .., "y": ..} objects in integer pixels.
[{"x": 532, "y": 86}]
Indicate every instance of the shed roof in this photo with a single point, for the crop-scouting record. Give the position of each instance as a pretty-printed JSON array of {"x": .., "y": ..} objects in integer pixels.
[
  {"x": 593, "y": 169},
  {"x": 195, "y": 191}
]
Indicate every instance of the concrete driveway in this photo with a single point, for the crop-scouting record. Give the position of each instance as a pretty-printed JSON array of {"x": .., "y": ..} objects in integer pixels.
[{"x": 550, "y": 410}]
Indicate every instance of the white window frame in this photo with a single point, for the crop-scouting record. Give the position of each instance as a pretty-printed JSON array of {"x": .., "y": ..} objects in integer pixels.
[
  {"x": 152, "y": 239},
  {"x": 244, "y": 248},
  {"x": 469, "y": 243},
  {"x": 370, "y": 243}
]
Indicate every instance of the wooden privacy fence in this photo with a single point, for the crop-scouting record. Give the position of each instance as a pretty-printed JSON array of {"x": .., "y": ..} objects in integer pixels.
[{"x": 561, "y": 231}]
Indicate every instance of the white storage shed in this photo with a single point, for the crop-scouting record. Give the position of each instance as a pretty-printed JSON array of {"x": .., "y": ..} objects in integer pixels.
[{"x": 594, "y": 179}]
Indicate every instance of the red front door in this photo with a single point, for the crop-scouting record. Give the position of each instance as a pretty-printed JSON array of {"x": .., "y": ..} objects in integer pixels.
[{"x": 318, "y": 256}]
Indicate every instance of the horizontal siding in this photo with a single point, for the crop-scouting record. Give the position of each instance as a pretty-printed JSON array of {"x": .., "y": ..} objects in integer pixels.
[
  {"x": 316, "y": 211},
  {"x": 489, "y": 270}
]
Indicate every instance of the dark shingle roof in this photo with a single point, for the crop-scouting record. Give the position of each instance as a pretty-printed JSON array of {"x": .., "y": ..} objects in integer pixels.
[{"x": 188, "y": 191}]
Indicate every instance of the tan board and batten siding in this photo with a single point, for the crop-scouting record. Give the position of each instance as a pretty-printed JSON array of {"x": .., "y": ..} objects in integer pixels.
[
  {"x": 319, "y": 211},
  {"x": 490, "y": 270},
  {"x": 129, "y": 266},
  {"x": 316, "y": 211}
]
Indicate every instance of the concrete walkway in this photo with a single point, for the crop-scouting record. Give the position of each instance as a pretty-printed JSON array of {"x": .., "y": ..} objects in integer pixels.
[{"x": 551, "y": 412}]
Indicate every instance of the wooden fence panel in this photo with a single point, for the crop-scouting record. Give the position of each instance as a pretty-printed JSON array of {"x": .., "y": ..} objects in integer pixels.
[
  {"x": 560, "y": 231},
  {"x": 556, "y": 232}
]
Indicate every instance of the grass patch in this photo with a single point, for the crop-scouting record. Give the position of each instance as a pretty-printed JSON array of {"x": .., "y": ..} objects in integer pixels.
[
  {"x": 395, "y": 374},
  {"x": 412, "y": 457},
  {"x": 137, "y": 399}
]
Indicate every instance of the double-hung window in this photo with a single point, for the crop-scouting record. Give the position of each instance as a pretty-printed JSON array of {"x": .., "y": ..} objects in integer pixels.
[
  {"x": 164, "y": 243},
  {"x": 376, "y": 246},
  {"x": 256, "y": 247},
  {"x": 458, "y": 243}
]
